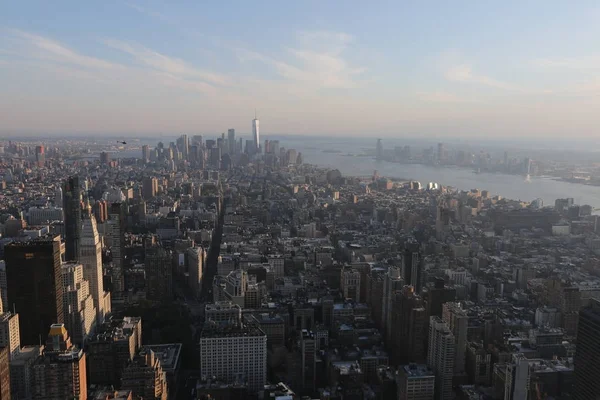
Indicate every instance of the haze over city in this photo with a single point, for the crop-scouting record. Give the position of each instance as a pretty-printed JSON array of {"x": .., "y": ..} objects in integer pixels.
[{"x": 506, "y": 70}]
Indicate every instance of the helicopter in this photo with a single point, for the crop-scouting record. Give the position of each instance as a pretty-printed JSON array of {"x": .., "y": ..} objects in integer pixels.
[{"x": 119, "y": 141}]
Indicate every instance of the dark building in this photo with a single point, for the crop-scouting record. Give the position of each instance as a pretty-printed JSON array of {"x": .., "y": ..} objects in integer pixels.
[
  {"x": 411, "y": 267},
  {"x": 587, "y": 356},
  {"x": 158, "y": 274},
  {"x": 437, "y": 296},
  {"x": 409, "y": 324},
  {"x": 4, "y": 374},
  {"x": 33, "y": 274},
  {"x": 72, "y": 212}
]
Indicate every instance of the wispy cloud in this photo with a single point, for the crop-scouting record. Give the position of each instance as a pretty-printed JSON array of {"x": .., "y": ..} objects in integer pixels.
[
  {"x": 50, "y": 49},
  {"x": 581, "y": 63},
  {"x": 464, "y": 73},
  {"x": 170, "y": 65},
  {"x": 442, "y": 97},
  {"x": 147, "y": 11},
  {"x": 318, "y": 60}
]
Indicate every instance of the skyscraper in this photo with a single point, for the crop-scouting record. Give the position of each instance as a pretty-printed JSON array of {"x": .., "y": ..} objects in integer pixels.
[
  {"x": 158, "y": 274},
  {"x": 458, "y": 321},
  {"x": 79, "y": 310},
  {"x": 408, "y": 325},
  {"x": 145, "y": 153},
  {"x": 72, "y": 214},
  {"x": 4, "y": 374},
  {"x": 231, "y": 141},
  {"x": 116, "y": 236},
  {"x": 91, "y": 258},
  {"x": 392, "y": 282},
  {"x": 587, "y": 367},
  {"x": 256, "y": 134},
  {"x": 60, "y": 372},
  {"x": 149, "y": 187},
  {"x": 145, "y": 377},
  {"x": 379, "y": 149},
  {"x": 33, "y": 272},
  {"x": 10, "y": 336},
  {"x": 440, "y": 356}
]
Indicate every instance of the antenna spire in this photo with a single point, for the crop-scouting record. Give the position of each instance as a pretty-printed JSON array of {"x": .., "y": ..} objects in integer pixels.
[{"x": 255, "y": 113}]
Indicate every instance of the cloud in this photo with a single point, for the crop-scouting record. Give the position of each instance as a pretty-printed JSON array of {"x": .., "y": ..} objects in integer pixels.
[
  {"x": 166, "y": 64},
  {"x": 464, "y": 73},
  {"x": 55, "y": 51},
  {"x": 591, "y": 62},
  {"x": 148, "y": 12},
  {"x": 441, "y": 97},
  {"x": 317, "y": 60}
]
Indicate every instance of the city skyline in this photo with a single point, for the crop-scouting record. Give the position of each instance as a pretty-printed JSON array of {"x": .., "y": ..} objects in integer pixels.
[{"x": 309, "y": 68}]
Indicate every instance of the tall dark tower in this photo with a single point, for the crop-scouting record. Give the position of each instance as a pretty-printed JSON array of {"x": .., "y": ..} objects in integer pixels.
[
  {"x": 587, "y": 367},
  {"x": 72, "y": 212},
  {"x": 34, "y": 281}
]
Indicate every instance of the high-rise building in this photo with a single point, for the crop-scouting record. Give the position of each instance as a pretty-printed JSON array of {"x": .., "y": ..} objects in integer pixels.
[
  {"x": 416, "y": 382},
  {"x": 112, "y": 349},
  {"x": 231, "y": 141},
  {"x": 437, "y": 295},
  {"x": 379, "y": 150},
  {"x": 60, "y": 372},
  {"x": 159, "y": 273},
  {"x": 33, "y": 271},
  {"x": 145, "y": 153},
  {"x": 440, "y": 356},
  {"x": 21, "y": 371},
  {"x": 235, "y": 352},
  {"x": 256, "y": 134},
  {"x": 4, "y": 374},
  {"x": 72, "y": 215},
  {"x": 104, "y": 158},
  {"x": 145, "y": 377},
  {"x": 116, "y": 236},
  {"x": 411, "y": 267},
  {"x": 196, "y": 257},
  {"x": 183, "y": 146},
  {"x": 91, "y": 258},
  {"x": 587, "y": 354},
  {"x": 308, "y": 352},
  {"x": 149, "y": 187},
  {"x": 458, "y": 322},
  {"x": 3, "y": 288},
  {"x": 516, "y": 383},
  {"x": 223, "y": 313},
  {"x": 408, "y": 325},
  {"x": 79, "y": 309},
  {"x": 350, "y": 284},
  {"x": 40, "y": 155},
  {"x": 10, "y": 336},
  {"x": 392, "y": 282}
]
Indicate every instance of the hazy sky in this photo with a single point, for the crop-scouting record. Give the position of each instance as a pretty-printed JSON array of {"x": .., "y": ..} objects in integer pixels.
[{"x": 381, "y": 68}]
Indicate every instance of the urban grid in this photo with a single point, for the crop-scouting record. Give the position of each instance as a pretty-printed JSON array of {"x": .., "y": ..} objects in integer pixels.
[{"x": 218, "y": 268}]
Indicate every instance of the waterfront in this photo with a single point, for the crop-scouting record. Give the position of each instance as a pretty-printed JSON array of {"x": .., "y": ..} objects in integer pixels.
[{"x": 509, "y": 186}]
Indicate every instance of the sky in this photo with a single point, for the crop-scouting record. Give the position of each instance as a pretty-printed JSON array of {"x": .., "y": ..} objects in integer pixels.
[{"x": 478, "y": 69}]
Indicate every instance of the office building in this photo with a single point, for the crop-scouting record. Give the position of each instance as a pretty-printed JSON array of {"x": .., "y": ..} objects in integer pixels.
[
  {"x": 159, "y": 273},
  {"x": 440, "y": 356},
  {"x": 183, "y": 146},
  {"x": 256, "y": 134},
  {"x": 91, "y": 259},
  {"x": 411, "y": 268},
  {"x": 587, "y": 367},
  {"x": 408, "y": 326},
  {"x": 308, "y": 352},
  {"x": 10, "y": 336},
  {"x": 21, "y": 371},
  {"x": 235, "y": 353},
  {"x": 33, "y": 272},
  {"x": 391, "y": 283},
  {"x": 3, "y": 288},
  {"x": 379, "y": 150},
  {"x": 350, "y": 284},
  {"x": 231, "y": 141},
  {"x": 438, "y": 295},
  {"x": 458, "y": 321},
  {"x": 72, "y": 215},
  {"x": 60, "y": 373},
  {"x": 145, "y": 377},
  {"x": 4, "y": 374},
  {"x": 223, "y": 313},
  {"x": 112, "y": 349},
  {"x": 79, "y": 309},
  {"x": 517, "y": 378},
  {"x": 145, "y": 153},
  {"x": 149, "y": 187},
  {"x": 40, "y": 155},
  {"x": 415, "y": 382},
  {"x": 196, "y": 256},
  {"x": 115, "y": 228}
]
